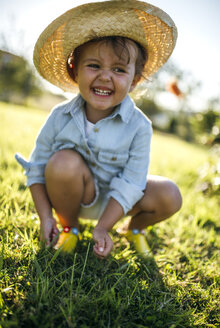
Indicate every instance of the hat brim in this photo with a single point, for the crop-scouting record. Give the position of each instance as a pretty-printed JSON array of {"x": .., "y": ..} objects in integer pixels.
[{"x": 144, "y": 23}]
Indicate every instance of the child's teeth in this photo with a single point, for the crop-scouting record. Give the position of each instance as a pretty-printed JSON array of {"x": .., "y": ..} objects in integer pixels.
[{"x": 102, "y": 92}]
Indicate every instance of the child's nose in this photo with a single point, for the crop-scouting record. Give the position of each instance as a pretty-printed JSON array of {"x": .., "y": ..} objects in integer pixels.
[{"x": 105, "y": 75}]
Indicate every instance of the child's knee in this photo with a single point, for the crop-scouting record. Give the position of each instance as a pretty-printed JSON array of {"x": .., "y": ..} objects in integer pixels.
[
  {"x": 64, "y": 164},
  {"x": 171, "y": 198}
]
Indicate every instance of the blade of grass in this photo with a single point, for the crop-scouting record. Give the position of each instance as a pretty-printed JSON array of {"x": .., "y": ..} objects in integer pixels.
[{"x": 84, "y": 265}]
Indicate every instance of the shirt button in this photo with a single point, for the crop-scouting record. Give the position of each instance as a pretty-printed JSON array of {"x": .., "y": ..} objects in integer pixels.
[
  {"x": 87, "y": 152},
  {"x": 93, "y": 164},
  {"x": 96, "y": 130},
  {"x": 114, "y": 158}
]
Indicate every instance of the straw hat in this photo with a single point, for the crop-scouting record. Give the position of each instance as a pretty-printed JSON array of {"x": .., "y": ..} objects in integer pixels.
[{"x": 137, "y": 20}]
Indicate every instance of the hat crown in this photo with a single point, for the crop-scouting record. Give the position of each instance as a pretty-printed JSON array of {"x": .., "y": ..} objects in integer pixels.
[{"x": 137, "y": 20}]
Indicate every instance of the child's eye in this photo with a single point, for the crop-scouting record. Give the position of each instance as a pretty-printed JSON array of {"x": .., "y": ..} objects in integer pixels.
[
  {"x": 119, "y": 70},
  {"x": 95, "y": 66}
]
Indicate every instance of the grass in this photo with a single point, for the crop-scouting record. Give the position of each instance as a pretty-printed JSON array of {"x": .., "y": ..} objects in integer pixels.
[{"x": 178, "y": 287}]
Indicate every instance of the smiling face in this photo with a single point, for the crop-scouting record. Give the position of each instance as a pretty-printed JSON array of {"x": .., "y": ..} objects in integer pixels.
[{"x": 104, "y": 78}]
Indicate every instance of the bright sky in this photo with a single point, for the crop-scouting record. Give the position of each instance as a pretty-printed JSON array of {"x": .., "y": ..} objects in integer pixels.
[{"x": 198, "y": 23}]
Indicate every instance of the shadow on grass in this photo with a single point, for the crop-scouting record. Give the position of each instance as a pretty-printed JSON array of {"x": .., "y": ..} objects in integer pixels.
[{"x": 80, "y": 290}]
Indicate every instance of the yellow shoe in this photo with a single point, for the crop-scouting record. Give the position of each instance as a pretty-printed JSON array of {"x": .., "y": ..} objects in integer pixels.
[
  {"x": 68, "y": 239},
  {"x": 138, "y": 239}
]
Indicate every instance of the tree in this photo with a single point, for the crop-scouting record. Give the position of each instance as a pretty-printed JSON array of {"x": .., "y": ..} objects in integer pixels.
[{"x": 16, "y": 77}]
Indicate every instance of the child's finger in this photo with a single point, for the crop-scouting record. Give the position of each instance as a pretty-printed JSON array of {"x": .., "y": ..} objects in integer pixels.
[
  {"x": 100, "y": 246},
  {"x": 99, "y": 243},
  {"x": 55, "y": 231},
  {"x": 100, "y": 249},
  {"x": 106, "y": 250},
  {"x": 97, "y": 253},
  {"x": 108, "y": 247}
]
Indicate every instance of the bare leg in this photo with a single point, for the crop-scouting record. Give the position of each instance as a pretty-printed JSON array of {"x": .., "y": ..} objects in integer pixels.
[
  {"x": 69, "y": 183},
  {"x": 161, "y": 200}
]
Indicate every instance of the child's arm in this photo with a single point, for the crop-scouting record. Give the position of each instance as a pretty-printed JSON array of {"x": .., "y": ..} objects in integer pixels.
[
  {"x": 34, "y": 170},
  {"x": 103, "y": 242},
  {"x": 44, "y": 209},
  {"x": 126, "y": 189}
]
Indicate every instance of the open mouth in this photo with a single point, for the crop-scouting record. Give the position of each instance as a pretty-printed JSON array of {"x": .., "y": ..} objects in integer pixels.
[{"x": 102, "y": 92}]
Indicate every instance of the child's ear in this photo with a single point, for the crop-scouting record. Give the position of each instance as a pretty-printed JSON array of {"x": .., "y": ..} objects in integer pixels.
[
  {"x": 75, "y": 75},
  {"x": 135, "y": 82},
  {"x": 71, "y": 68}
]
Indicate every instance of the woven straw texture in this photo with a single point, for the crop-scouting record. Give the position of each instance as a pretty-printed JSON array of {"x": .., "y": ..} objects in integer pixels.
[{"x": 139, "y": 21}]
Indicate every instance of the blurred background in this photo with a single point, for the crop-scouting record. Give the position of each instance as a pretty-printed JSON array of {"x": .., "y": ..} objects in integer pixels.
[{"x": 182, "y": 98}]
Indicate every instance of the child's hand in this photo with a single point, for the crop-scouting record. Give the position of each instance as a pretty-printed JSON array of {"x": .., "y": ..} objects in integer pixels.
[
  {"x": 103, "y": 243},
  {"x": 49, "y": 230}
]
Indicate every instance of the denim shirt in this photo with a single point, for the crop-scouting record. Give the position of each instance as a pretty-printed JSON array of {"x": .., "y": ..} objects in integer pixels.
[{"x": 117, "y": 150}]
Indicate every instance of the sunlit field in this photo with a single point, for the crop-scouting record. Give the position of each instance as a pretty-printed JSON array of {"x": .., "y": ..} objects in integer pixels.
[{"x": 177, "y": 287}]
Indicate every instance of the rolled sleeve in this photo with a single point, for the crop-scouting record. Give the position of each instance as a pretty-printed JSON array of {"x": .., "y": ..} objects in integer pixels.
[
  {"x": 125, "y": 193},
  {"x": 33, "y": 171},
  {"x": 128, "y": 187}
]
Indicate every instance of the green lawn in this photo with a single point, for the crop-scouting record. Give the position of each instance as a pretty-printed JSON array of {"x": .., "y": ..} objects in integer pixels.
[{"x": 178, "y": 287}]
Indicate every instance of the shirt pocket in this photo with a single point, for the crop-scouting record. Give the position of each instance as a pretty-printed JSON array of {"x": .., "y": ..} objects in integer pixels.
[{"x": 113, "y": 159}]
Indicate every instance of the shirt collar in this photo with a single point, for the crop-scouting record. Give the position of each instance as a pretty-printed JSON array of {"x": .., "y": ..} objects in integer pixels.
[
  {"x": 74, "y": 105},
  {"x": 124, "y": 110}
]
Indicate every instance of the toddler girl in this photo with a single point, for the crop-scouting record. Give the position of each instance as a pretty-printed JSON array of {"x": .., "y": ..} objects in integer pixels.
[{"x": 91, "y": 156}]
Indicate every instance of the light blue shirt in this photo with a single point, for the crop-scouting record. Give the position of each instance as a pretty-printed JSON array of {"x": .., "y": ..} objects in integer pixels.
[{"x": 117, "y": 150}]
